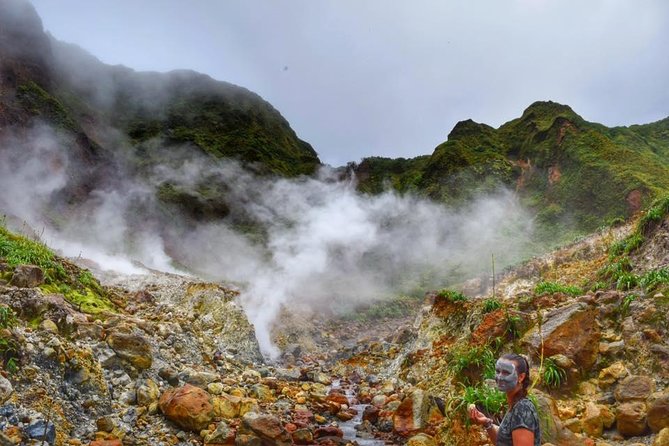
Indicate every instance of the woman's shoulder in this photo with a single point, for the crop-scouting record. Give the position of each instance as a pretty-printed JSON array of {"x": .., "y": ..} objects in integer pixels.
[{"x": 524, "y": 406}]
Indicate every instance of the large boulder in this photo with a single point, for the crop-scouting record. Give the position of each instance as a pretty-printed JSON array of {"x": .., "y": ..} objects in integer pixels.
[
  {"x": 415, "y": 412},
  {"x": 266, "y": 427},
  {"x": 27, "y": 276},
  {"x": 572, "y": 331},
  {"x": 188, "y": 407},
  {"x": 634, "y": 388},
  {"x": 552, "y": 429},
  {"x": 132, "y": 347},
  {"x": 631, "y": 419},
  {"x": 592, "y": 422},
  {"x": 658, "y": 412}
]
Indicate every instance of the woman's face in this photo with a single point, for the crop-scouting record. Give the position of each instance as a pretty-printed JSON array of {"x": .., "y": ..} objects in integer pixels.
[{"x": 506, "y": 375}]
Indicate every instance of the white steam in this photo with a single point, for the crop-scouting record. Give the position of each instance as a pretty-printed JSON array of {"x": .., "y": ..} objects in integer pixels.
[{"x": 322, "y": 245}]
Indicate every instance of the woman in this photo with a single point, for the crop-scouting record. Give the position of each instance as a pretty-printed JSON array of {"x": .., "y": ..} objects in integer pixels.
[{"x": 520, "y": 425}]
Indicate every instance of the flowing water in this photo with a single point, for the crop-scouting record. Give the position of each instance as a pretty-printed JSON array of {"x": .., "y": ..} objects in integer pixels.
[{"x": 348, "y": 427}]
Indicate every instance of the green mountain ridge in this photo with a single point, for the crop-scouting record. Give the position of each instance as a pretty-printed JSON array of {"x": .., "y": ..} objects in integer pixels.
[{"x": 568, "y": 170}]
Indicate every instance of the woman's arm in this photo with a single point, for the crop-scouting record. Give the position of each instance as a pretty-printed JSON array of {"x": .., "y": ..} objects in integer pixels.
[
  {"x": 522, "y": 437},
  {"x": 479, "y": 418}
]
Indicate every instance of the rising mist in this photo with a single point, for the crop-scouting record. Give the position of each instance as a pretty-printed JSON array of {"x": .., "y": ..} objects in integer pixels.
[{"x": 322, "y": 245}]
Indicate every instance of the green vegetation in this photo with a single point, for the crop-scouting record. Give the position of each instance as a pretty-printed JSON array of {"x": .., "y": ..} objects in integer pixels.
[
  {"x": 553, "y": 376},
  {"x": 451, "y": 295},
  {"x": 654, "y": 279},
  {"x": 223, "y": 121},
  {"x": 78, "y": 287},
  {"x": 619, "y": 271},
  {"x": 490, "y": 305},
  {"x": 554, "y": 287},
  {"x": 575, "y": 175},
  {"x": 468, "y": 362},
  {"x": 377, "y": 174},
  {"x": 624, "y": 309},
  {"x": 18, "y": 250},
  {"x": 487, "y": 399},
  {"x": 399, "y": 306},
  {"x": 40, "y": 103},
  {"x": 9, "y": 347}
]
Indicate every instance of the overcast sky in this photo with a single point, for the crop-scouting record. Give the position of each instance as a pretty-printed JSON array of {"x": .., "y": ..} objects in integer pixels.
[{"x": 391, "y": 78}]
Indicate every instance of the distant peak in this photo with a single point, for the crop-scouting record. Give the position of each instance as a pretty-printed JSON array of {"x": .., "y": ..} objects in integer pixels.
[
  {"x": 467, "y": 127},
  {"x": 548, "y": 108},
  {"x": 19, "y": 17}
]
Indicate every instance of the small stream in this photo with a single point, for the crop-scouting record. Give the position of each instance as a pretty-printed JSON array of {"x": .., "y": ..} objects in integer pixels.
[{"x": 348, "y": 427}]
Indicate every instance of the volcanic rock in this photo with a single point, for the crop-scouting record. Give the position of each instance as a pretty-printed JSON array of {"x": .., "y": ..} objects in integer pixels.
[
  {"x": 631, "y": 419},
  {"x": 27, "y": 276},
  {"x": 131, "y": 347},
  {"x": 572, "y": 331},
  {"x": 634, "y": 388},
  {"x": 658, "y": 412},
  {"x": 189, "y": 407},
  {"x": 267, "y": 427}
]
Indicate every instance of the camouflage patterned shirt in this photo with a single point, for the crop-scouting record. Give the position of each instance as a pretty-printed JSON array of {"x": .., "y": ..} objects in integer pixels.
[{"x": 523, "y": 415}]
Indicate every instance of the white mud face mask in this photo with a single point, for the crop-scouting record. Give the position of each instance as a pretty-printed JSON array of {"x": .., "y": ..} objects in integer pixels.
[{"x": 506, "y": 375}]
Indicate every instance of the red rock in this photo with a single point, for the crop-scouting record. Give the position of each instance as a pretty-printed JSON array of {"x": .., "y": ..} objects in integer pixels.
[
  {"x": 290, "y": 427},
  {"x": 189, "y": 407},
  {"x": 371, "y": 414},
  {"x": 492, "y": 326},
  {"x": 338, "y": 398},
  {"x": 572, "y": 331},
  {"x": 328, "y": 431},
  {"x": 267, "y": 427}
]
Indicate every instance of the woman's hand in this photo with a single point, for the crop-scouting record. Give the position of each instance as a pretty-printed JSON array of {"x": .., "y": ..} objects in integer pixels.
[{"x": 477, "y": 416}]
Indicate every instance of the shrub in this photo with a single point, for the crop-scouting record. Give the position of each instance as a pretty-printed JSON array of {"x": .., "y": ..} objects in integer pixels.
[
  {"x": 652, "y": 279},
  {"x": 513, "y": 325},
  {"x": 552, "y": 376},
  {"x": 473, "y": 359}
]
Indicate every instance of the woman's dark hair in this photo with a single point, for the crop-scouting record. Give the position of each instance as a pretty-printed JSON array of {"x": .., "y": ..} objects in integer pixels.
[{"x": 522, "y": 366}]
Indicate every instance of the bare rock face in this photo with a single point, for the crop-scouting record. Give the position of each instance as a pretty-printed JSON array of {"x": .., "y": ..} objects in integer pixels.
[
  {"x": 572, "y": 331},
  {"x": 415, "y": 412},
  {"x": 188, "y": 407},
  {"x": 27, "y": 276},
  {"x": 658, "y": 412},
  {"x": 631, "y": 419}
]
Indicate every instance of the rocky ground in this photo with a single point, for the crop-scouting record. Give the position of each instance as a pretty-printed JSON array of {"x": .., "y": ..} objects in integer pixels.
[{"x": 176, "y": 362}]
